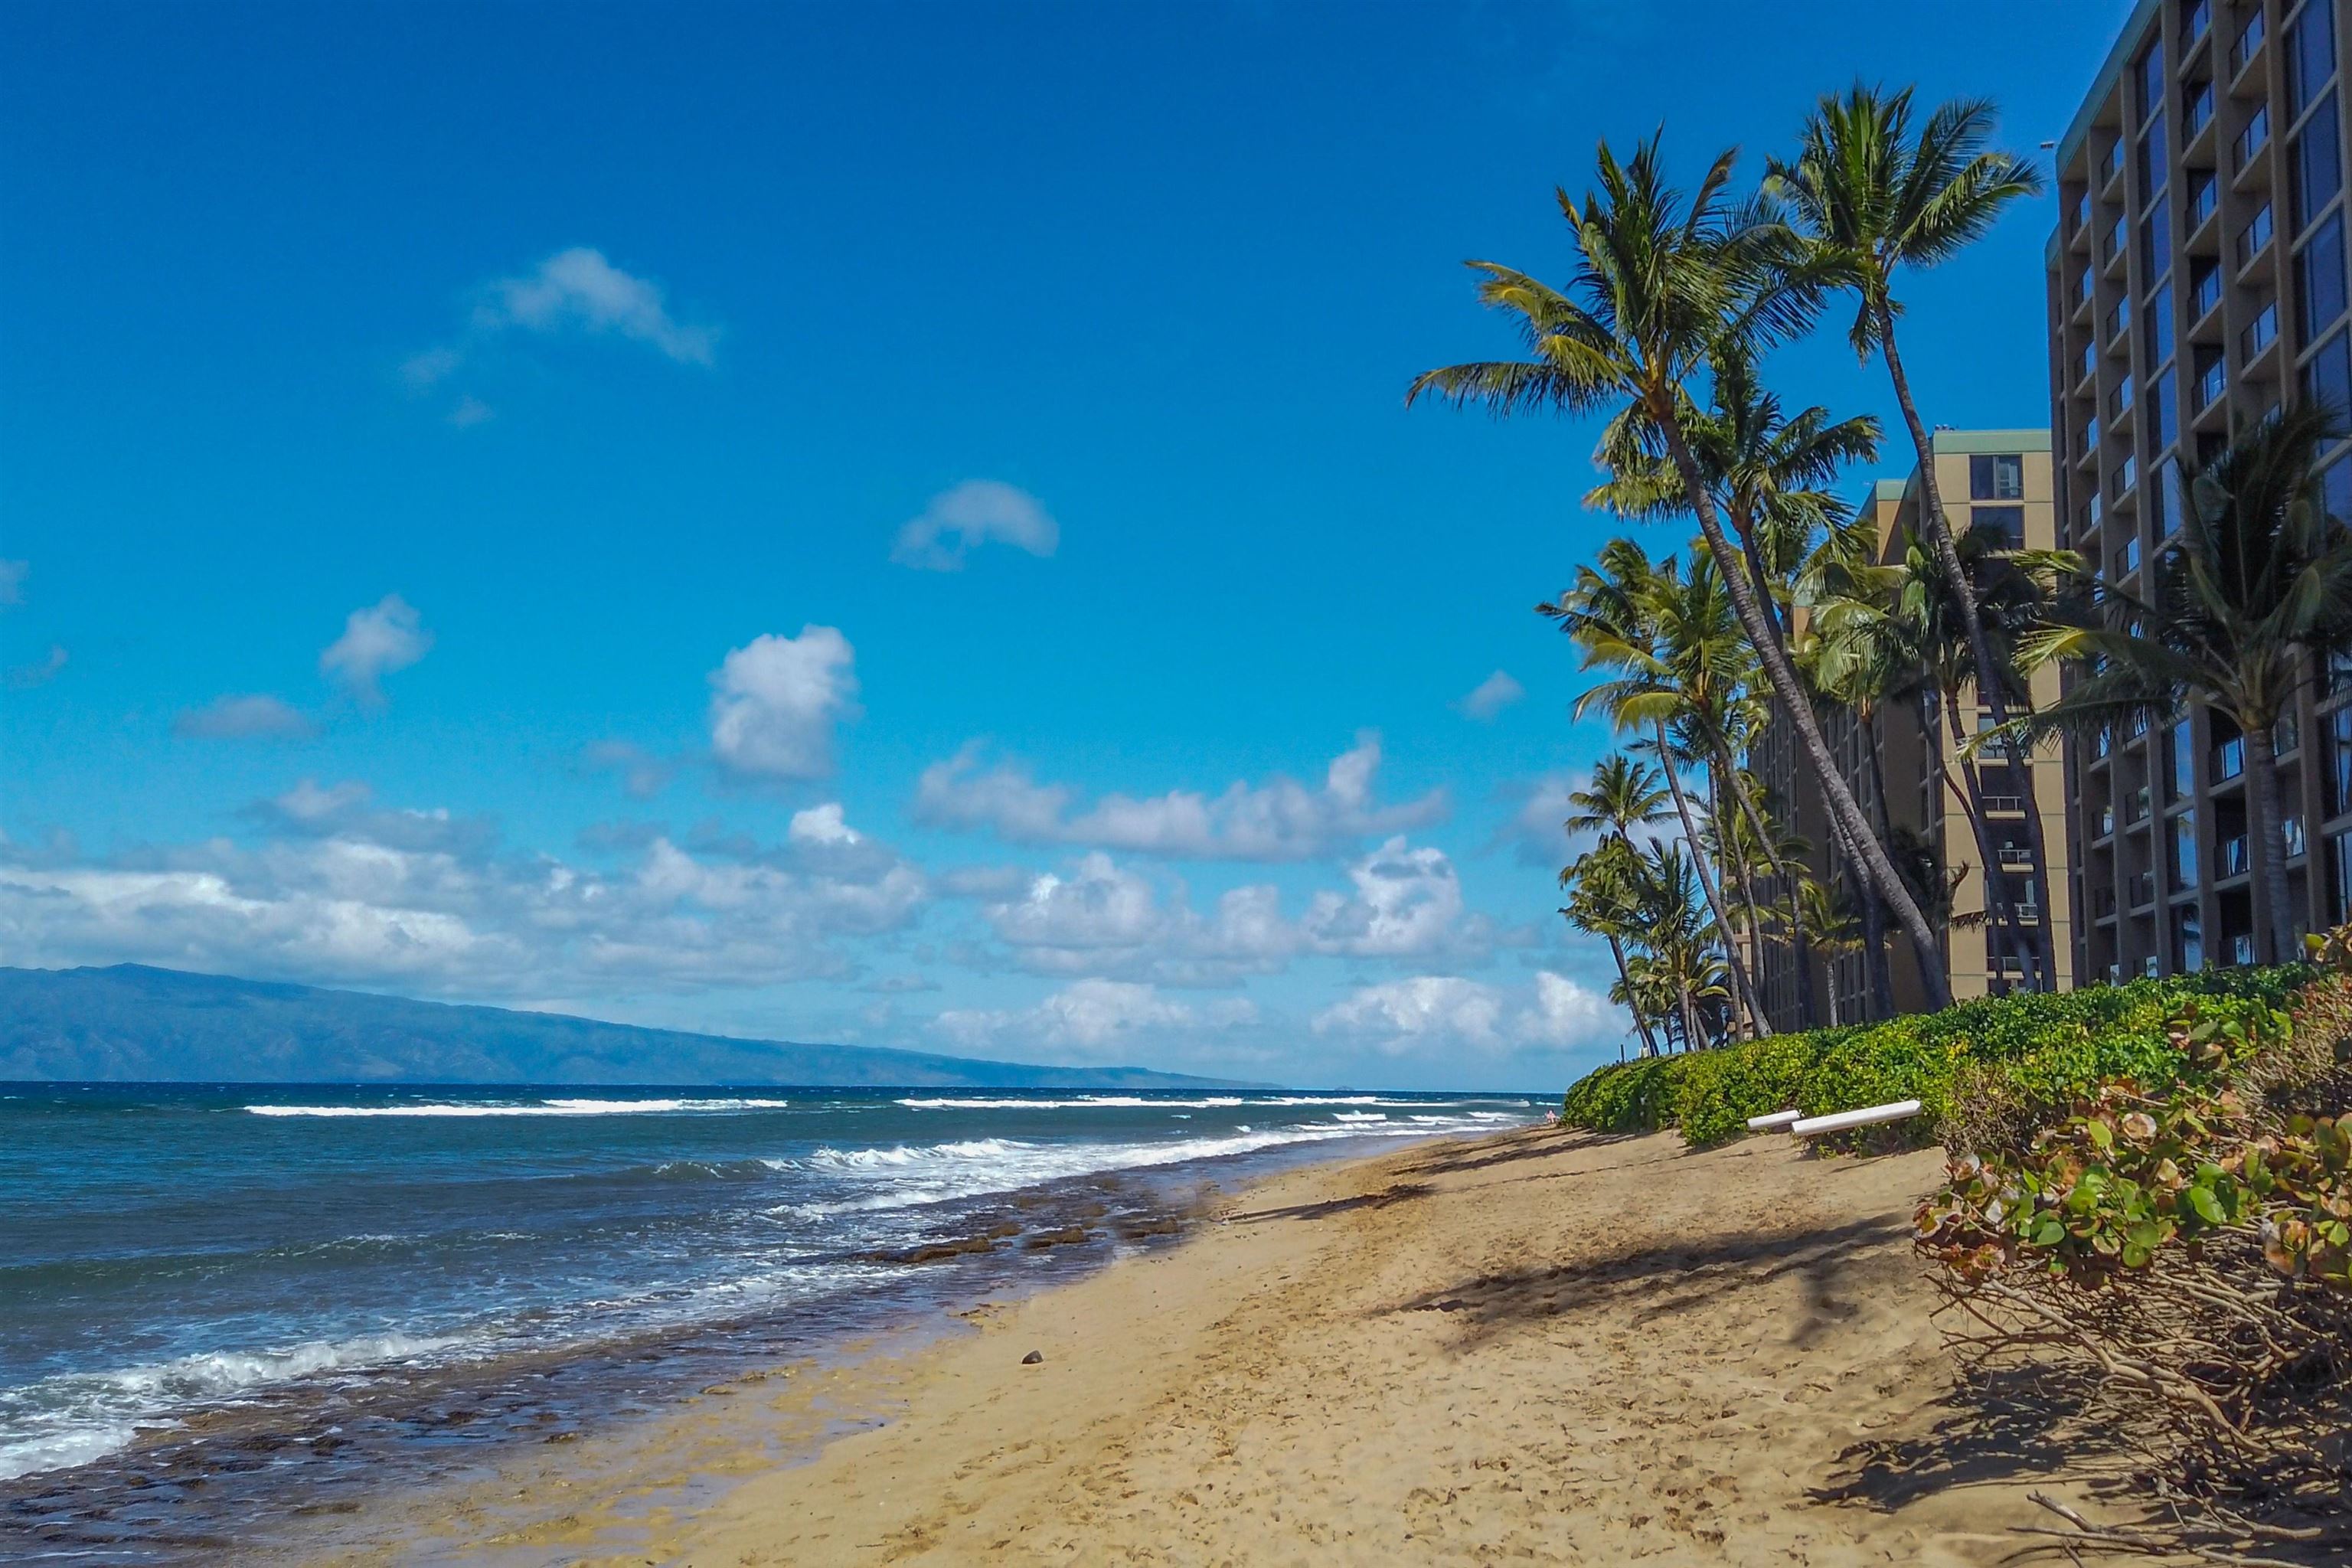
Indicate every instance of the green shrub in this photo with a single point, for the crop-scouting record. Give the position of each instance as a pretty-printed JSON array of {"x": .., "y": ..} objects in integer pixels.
[{"x": 2029, "y": 1052}]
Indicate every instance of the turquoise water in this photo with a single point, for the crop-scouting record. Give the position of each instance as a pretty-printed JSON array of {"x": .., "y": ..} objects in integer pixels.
[{"x": 256, "y": 1293}]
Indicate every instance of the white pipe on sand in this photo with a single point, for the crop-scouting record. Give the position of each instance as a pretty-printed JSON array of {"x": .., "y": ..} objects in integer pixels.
[
  {"x": 1778, "y": 1119},
  {"x": 1806, "y": 1127}
]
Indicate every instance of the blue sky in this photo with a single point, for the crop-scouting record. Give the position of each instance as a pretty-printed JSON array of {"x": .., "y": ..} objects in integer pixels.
[{"x": 477, "y": 482}]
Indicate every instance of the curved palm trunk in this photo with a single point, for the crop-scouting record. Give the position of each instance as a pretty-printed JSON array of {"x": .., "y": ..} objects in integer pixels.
[
  {"x": 1875, "y": 966},
  {"x": 1641, "y": 1019},
  {"x": 2270, "y": 831},
  {"x": 2039, "y": 961},
  {"x": 1737, "y": 867},
  {"x": 1739, "y": 985},
  {"x": 1781, "y": 674}
]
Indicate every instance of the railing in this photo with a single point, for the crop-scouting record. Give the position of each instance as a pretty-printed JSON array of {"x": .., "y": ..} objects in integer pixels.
[
  {"x": 2140, "y": 889},
  {"x": 2250, "y": 39},
  {"x": 2107, "y": 821},
  {"x": 2197, "y": 113},
  {"x": 2252, "y": 140},
  {"x": 2253, "y": 237},
  {"x": 2082, "y": 212},
  {"x": 2230, "y": 857},
  {"x": 2083, "y": 287},
  {"x": 2097, "y": 511},
  {"x": 2091, "y": 433},
  {"x": 2230, "y": 759},
  {"x": 2241, "y": 948},
  {"x": 2119, "y": 319},
  {"x": 2285, "y": 736},
  {"x": 2119, "y": 398},
  {"x": 2090, "y": 360},
  {"x": 2016, "y": 855},
  {"x": 2112, "y": 244},
  {"x": 2103, "y": 743},
  {"x": 2135, "y": 807},
  {"x": 2259, "y": 332},
  {"x": 2212, "y": 384},
  {"x": 2113, "y": 165},
  {"x": 2126, "y": 475},
  {"x": 2194, "y": 22},
  {"x": 2204, "y": 198},
  {"x": 2005, "y": 805},
  {"x": 2102, "y": 903},
  {"x": 2291, "y": 829},
  {"x": 2205, "y": 291},
  {"x": 2127, "y": 558}
]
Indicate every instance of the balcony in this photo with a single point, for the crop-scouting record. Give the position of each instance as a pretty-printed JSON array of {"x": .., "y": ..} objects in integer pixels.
[
  {"x": 2291, "y": 829},
  {"x": 2111, "y": 167},
  {"x": 2204, "y": 198},
  {"x": 2254, "y": 237},
  {"x": 2230, "y": 857},
  {"x": 2139, "y": 889},
  {"x": 2017, "y": 857},
  {"x": 2229, "y": 759},
  {"x": 2258, "y": 334},
  {"x": 2103, "y": 903},
  {"x": 2241, "y": 948},
  {"x": 2126, "y": 475},
  {"x": 2126, "y": 560},
  {"x": 2103, "y": 821},
  {"x": 2120, "y": 400},
  {"x": 2196, "y": 112},
  {"x": 2251, "y": 142},
  {"x": 2004, "y": 805},
  {"x": 2135, "y": 807},
  {"x": 2195, "y": 23},
  {"x": 2247, "y": 44},
  {"x": 2212, "y": 384},
  {"x": 2113, "y": 244},
  {"x": 2080, "y": 227}
]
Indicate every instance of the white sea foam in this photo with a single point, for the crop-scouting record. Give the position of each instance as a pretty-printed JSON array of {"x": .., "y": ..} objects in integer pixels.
[
  {"x": 74, "y": 1418},
  {"x": 1096, "y": 1101},
  {"x": 536, "y": 1108}
]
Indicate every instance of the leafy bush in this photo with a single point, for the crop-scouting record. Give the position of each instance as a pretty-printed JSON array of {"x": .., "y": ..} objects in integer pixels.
[{"x": 2000, "y": 1061}]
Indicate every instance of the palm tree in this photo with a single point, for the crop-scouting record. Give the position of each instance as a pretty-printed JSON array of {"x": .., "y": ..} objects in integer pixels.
[
  {"x": 1825, "y": 919},
  {"x": 1658, "y": 631},
  {"x": 1680, "y": 941},
  {"x": 2259, "y": 581},
  {"x": 1874, "y": 198},
  {"x": 1661, "y": 284},
  {"x": 1603, "y": 901}
]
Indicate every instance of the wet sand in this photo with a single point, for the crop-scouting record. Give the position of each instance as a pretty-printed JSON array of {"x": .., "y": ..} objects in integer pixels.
[{"x": 1541, "y": 1347}]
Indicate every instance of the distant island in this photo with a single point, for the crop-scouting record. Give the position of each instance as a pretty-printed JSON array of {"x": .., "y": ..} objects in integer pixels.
[{"x": 130, "y": 1023}]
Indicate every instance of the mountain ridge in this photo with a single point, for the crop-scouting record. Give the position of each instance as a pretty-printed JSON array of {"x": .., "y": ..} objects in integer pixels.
[{"x": 138, "y": 1022}]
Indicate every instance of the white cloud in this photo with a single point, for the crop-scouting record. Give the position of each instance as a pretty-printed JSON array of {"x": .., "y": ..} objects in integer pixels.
[
  {"x": 1106, "y": 1019},
  {"x": 378, "y": 640},
  {"x": 823, "y": 824},
  {"x": 776, "y": 701},
  {"x": 12, "y": 582},
  {"x": 253, "y": 717},
  {"x": 1278, "y": 820},
  {"x": 1407, "y": 903},
  {"x": 340, "y": 891},
  {"x": 579, "y": 290},
  {"x": 1537, "y": 831},
  {"x": 974, "y": 513},
  {"x": 1491, "y": 696},
  {"x": 1440, "y": 1012}
]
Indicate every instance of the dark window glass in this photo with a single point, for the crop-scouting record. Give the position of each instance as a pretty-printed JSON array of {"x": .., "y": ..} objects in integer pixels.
[
  {"x": 2319, "y": 278},
  {"x": 2156, "y": 240},
  {"x": 2005, "y": 525},
  {"x": 2184, "y": 762},
  {"x": 1997, "y": 476},
  {"x": 2335, "y": 490},
  {"x": 2187, "y": 938},
  {"x": 2310, "y": 52},
  {"x": 2159, "y": 325},
  {"x": 2184, "y": 850},
  {"x": 2151, "y": 79},
  {"x": 2327, "y": 379},
  {"x": 2163, "y": 427},
  {"x": 2339, "y": 879},
  {"x": 2152, "y": 162},
  {"x": 2340, "y": 771},
  {"x": 2318, "y": 163},
  {"x": 2166, "y": 496}
]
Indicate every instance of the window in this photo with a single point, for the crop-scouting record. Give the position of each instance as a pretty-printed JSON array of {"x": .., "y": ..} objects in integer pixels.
[
  {"x": 2336, "y": 488},
  {"x": 2153, "y": 163},
  {"x": 2156, "y": 240},
  {"x": 2339, "y": 879},
  {"x": 2310, "y": 53},
  {"x": 2187, "y": 941},
  {"x": 2162, "y": 424},
  {"x": 1997, "y": 476},
  {"x": 2127, "y": 556},
  {"x": 2083, "y": 287},
  {"x": 2151, "y": 79},
  {"x": 2184, "y": 762},
  {"x": 2248, "y": 40},
  {"x": 2119, "y": 398},
  {"x": 2316, "y": 169},
  {"x": 2090, "y": 359},
  {"x": 2195, "y": 109},
  {"x": 2110, "y": 244},
  {"x": 2213, "y": 377},
  {"x": 2319, "y": 278},
  {"x": 2158, "y": 325},
  {"x": 2195, "y": 20},
  {"x": 2164, "y": 496},
  {"x": 2327, "y": 379},
  {"x": 2339, "y": 762},
  {"x": 2126, "y": 475},
  {"x": 2003, "y": 526},
  {"x": 2118, "y": 320}
]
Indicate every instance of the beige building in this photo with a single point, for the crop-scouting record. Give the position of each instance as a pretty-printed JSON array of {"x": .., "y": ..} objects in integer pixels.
[
  {"x": 1904, "y": 767},
  {"x": 2196, "y": 283}
]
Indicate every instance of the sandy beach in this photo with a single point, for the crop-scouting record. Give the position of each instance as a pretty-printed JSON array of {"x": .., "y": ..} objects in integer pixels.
[{"x": 1541, "y": 1347}]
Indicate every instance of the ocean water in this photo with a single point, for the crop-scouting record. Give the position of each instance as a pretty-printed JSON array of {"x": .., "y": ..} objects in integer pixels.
[{"x": 224, "y": 1303}]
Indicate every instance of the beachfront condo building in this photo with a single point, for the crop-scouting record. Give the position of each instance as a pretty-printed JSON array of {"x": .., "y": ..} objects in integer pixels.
[
  {"x": 1903, "y": 759},
  {"x": 2197, "y": 282}
]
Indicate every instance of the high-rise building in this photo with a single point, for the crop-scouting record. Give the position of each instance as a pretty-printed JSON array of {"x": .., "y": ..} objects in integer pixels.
[
  {"x": 1902, "y": 758},
  {"x": 2197, "y": 282}
]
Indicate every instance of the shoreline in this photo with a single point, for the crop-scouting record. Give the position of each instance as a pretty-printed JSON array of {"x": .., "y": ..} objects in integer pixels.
[{"x": 1537, "y": 1344}]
